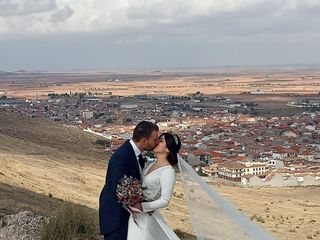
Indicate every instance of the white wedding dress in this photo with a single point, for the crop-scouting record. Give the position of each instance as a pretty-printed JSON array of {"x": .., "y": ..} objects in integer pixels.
[{"x": 159, "y": 184}]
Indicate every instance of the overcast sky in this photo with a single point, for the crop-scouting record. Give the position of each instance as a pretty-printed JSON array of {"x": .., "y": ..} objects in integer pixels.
[{"x": 104, "y": 34}]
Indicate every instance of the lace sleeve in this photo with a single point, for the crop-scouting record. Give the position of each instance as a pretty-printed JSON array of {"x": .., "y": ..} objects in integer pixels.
[{"x": 167, "y": 181}]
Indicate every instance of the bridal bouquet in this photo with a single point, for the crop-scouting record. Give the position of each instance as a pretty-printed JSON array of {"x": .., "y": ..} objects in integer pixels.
[{"x": 129, "y": 191}]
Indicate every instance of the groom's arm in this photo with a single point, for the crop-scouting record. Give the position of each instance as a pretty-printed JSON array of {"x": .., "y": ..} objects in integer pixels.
[{"x": 118, "y": 168}]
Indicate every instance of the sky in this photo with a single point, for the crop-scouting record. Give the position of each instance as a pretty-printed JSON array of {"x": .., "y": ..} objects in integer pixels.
[{"x": 118, "y": 34}]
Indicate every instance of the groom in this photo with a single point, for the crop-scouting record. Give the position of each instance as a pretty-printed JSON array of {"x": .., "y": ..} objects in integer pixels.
[{"x": 127, "y": 160}]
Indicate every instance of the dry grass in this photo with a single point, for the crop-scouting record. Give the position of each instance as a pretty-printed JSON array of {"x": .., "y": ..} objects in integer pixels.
[
  {"x": 45, "y": 157},
  {"x": 13, "y": 199},
  {"x": 289, "y": 213},
  {"x": 71, "y": 222}
]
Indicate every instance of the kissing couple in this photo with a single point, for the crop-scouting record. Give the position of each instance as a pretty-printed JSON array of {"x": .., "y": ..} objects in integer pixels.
[{"x": 143, "y": 221}]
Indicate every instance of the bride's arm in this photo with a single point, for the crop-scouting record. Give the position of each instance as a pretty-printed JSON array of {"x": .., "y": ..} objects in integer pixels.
[{"x": 167, "y": 180}]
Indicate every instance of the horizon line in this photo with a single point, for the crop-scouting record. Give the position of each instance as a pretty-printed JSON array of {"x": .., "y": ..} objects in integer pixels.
[{"x": 155, "y": 69}]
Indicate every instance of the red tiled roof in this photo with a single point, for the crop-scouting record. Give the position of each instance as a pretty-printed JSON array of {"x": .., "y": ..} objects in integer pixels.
[
  {"x": 199, "y": 153},
  {"x": 232, "y": 165},
  {"x": 216, "y": 154},
  {"x": 238, "y": 158}
]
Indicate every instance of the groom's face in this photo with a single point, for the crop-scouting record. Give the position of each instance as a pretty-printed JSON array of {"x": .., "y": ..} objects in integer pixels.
[{"x": 152, "y": 141}]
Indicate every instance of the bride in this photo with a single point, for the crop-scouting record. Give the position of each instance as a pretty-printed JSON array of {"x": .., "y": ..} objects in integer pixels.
[{"x": 159, "y": 180}]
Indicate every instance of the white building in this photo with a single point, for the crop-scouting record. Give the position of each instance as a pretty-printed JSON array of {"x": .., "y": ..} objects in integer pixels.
[
  {"x": 275, "y": 163},
  {"x": 255, "y": 168},
  {"x": 87, "y": 114}
]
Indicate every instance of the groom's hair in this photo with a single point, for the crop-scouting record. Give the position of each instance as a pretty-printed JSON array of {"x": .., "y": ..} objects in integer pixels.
[{"x": 144, "y": 129}]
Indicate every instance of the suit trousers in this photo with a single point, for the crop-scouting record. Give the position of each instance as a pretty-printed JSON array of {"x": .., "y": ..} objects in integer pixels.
[
  {"x": 118, "y": 234},
  {"x": 115, "y": 236}
]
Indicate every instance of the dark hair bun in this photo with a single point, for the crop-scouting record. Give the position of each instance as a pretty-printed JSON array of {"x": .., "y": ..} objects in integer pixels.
[{"x": 173, "y": 144}]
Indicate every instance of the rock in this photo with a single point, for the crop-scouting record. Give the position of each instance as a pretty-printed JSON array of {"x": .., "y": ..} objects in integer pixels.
[{"x": 22, "y": 226}]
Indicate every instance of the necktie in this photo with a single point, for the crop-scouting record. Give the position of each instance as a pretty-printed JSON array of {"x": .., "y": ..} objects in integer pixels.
[{"x": 141, "y": 161}]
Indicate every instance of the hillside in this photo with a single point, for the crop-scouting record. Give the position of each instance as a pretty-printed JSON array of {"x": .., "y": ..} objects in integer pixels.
[
  {"x": 15, "y": 199},
  {"x": 43, "y": 136},
  {"x": 47, "y": 158}
]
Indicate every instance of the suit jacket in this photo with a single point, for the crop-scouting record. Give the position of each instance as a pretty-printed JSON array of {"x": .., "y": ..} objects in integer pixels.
[{"x": 112, "y": 216}]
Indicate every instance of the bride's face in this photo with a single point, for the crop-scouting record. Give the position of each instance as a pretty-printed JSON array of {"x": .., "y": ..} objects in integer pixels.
[{"x": 162, "y": 146}]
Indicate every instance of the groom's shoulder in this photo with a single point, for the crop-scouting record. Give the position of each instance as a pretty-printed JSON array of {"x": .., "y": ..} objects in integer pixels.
[
  {"x": 121, "y": 155},
  {"x": 124, "y": 149}
]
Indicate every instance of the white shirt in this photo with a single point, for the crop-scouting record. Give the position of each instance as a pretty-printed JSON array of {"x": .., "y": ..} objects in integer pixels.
[{"x": 137, "y": 152}]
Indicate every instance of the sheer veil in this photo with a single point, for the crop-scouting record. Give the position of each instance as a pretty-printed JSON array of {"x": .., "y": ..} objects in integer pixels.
[{"x": 212, "y": 217}]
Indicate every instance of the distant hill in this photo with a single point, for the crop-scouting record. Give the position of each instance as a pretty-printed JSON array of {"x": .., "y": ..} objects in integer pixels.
[{"x": 3, "y": 73}]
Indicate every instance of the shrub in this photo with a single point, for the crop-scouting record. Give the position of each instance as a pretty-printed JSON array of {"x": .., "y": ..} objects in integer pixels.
[
  {"x": 260, "y": 219},
  {"x": 103, "y": 142},
  {"x": 254, "y": 216},
  {"x": 71, "y": 222}
]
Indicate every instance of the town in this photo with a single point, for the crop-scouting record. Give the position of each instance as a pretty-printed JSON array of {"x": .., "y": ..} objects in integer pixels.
[{"x": 223, "y": 140}]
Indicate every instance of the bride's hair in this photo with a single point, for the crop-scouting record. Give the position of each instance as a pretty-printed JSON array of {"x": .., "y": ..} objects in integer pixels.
[{"x": 173, "y": 144}]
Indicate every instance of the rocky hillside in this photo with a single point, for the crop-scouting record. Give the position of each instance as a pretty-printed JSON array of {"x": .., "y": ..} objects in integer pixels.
[
  {"x": 23, "y": 213},
  {"x": 23, "y": 225}
]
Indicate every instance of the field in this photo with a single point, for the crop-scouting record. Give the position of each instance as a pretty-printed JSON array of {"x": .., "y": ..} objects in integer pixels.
[
  {"x": 210, "y": 81},
  {"x": 288, "y": 213}
]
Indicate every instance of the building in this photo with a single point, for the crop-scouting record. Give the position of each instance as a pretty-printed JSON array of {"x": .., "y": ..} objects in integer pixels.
[
  {"x": 231, "y": 171},
  {"x": 87, "y": 114}
]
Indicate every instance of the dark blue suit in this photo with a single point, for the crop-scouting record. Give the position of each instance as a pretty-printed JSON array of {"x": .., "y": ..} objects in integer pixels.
[{"x": 113, "y": 217}]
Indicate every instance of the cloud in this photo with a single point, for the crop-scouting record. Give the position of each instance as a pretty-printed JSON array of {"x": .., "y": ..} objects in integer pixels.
[
  {"x": 120, "y": 15},
  {"x": 144, "y": 32},
  {"x": 25, "y": 7},
  {"x": 62, "y": 14}
]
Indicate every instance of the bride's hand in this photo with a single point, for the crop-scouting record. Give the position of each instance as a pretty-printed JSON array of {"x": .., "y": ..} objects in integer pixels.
[
  {"x": 150, "y": 213},
  {"x": 138, "y": 206}
]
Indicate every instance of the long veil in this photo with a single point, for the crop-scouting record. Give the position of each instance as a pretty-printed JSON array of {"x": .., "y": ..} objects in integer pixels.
[{"x": 211, "y": 216}]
